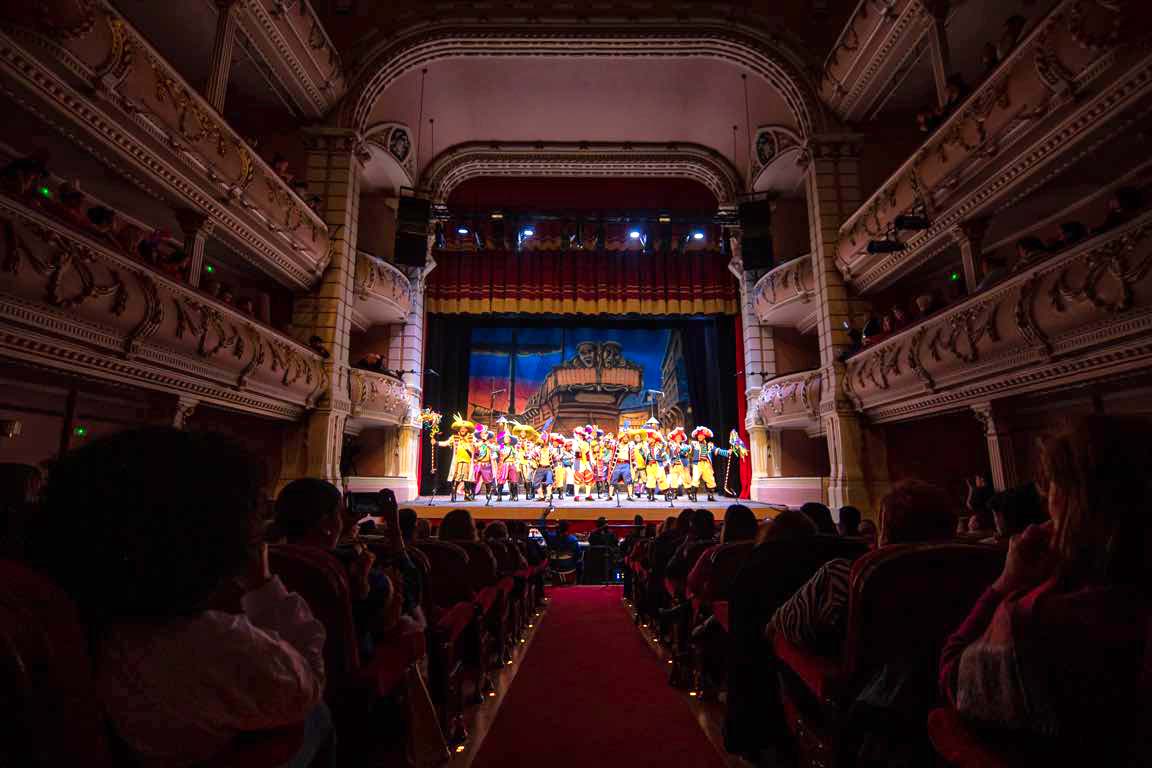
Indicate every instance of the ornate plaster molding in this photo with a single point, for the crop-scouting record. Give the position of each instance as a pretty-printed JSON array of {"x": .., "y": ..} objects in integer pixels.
[
  {"x": 792, "y": 400},
  {"x": 783, "y": 295},
  {"x": 594, "y": 159},
  {"x": 765, "y": 55}
]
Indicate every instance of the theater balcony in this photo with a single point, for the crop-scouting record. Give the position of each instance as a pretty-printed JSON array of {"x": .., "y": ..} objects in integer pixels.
[
  {"x": 108, "y": 90},
  {"x": 784, "y": 295},
  {"x": 291, "y": 41},
  {"x": 378, "y": 399},
  {"x": 1080, "y": 315},
  {"x": 1075, "y": 81},
  {"x": 73, "y": 304},
  {"x": 383, "y": 293},
  {"x": 792, "y": 401}
]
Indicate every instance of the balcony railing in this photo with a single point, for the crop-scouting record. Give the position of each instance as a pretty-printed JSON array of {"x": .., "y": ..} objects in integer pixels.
[
  {"x": 154, "y": 126},
  {"x": 69, "y": 302},
  {"x": 383, "y": 292},
  {"x": 379, "y": 398},
  {"x": 784, "y": 295},
  {"x": 1081, "y": 314},
  {"x": 873, "y": 44},
  {"x": 290, "y": 37},
  {"x": 792, "y": 400},
  {"x": 1064, "y": 82}
]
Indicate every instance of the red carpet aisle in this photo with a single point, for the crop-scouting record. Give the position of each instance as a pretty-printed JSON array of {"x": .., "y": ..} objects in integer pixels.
[{"x": 591, "y": 694}]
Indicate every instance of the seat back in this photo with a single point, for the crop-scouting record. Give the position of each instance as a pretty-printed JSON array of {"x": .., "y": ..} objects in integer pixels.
[
  {"x": 482, "y": 568},
  {"x": 597, "y": 562},
  {"x": 322, "y": 581},
  {"x": 906, "y": 599},
  {"x": 448, "y": 581},
  {"x": 727, "y": 561},
  {"x": 506, "y": 554},
  {"x": 52, "y": 715}
]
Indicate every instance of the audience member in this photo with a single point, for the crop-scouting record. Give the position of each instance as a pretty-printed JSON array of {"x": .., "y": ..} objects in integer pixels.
[
  {"x": 869, "y": 533},
  {"x": 458, "y": 525},
  {"x": 1013, "y": 28},
  {"x": 701, "y": 536},
  {"x": 993, "y": 270},
  {"x": 1015, "y": 509},
  {"x": 564, "y": 546},
  {"x": 814, "y": 617},
  {"x": 989, "y": 58},
  {"x": 788, "y": 525},
  {"x": 1023, "y": 661},
  {"x": 739, "y": 525},
  {"x": 925, "y": 305},
  {"x": 979, "y": 492},
  {"x": 849, "y": 524},
  {"x": 821, "y": 515},
  {"x": 423, "y": 530},
  {"x": 24, "y": 175},
  {"x": 1125, "y": 203},
  {"x": 167, "y": 564},
  {"x": 498, "y": 532},
  {"x": 602, "y": 536},
  {"x": 371, "y": 361},
  {"x": 282, "y": 169},
  {"x": 1071, "y": 232}
]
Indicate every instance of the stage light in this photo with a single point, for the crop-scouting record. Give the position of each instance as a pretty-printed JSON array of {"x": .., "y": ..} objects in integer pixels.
[
  {"x": 885, "y": 246},
  {"x": 697, "y": 235},
  {"x": 634, "y": 234},
  {"x": 664, "y": 219},
  {"x": 497, "y": 215},
  {"x": 909, "y": 222},
  {"x": 459, "y": 748},
  {"x": 461, "y": 230},
  {"x": 527, "y": 232}
]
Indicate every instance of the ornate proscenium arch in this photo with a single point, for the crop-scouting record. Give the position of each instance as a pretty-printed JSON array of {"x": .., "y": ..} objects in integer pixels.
[
  {"x": 747, "y": 47},
  {"x": 590, "y": 159}
]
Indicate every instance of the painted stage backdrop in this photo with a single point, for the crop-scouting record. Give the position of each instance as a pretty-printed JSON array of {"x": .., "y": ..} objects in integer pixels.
[{"x": 578, "y": 376}]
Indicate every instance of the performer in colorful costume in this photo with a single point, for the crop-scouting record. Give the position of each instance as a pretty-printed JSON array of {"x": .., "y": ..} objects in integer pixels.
[
  {"x": 507, "y": 466},
  {"x": 703, "y": 451},
  {"x": 545, "y": 476},
  {"x": 583, "y": 472},
  {"x": 484, "y": 459},
  {"x": 460, "y": 474},
  {"x": 680, "y": 474},
  {"x": 565, "y": 464},
  {"x": 654, "y": 461},
  {"x": 622, "y": 451},
  {"x": 528, "y": 454}
]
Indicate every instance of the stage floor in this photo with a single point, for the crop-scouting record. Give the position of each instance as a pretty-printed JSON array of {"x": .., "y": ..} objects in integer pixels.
[{"x": 567, "y": 509}]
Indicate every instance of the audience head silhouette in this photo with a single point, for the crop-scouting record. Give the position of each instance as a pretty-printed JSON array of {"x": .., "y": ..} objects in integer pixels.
[
  {"x": 849, "y": 524},
  {"x": 309, "y": 510},
  {"x": 821, "y": 515},
  {"x": 788, "y": 525},
  {"x": 914, "y": 511},
  {"x": 739, "y": 524},
  {"x": 458, "y": 525},
  {"x": 703, "y": 524}
]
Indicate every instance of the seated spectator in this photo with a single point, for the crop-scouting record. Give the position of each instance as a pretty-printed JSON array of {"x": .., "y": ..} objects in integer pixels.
[
  {"x": 423, "y": 530},
  {"x": 739, "y": 525},
  {"x": 701, "y": 535},
  {"x": 1057, "y": 646},
  {"x": 498, "y": 532},
  {"x": 564, "y": 546},
  {"x": 989, "y": 58},
  {"x": 408, "y": 522},
  {"x": 458, "y": 525},
  {"x": 955, "y": 91},
  {"x": 1071, "y": 232},
  {"x": 19, "y": 490},
  {"x": 1013, "y": 28},
  {"x": 927, "y": 120},
  {"x": 634, "y": 536},
  {"x": 1015, "y": 509},
  {"x": 869, "y": 533},
  {"x": 534, "y": 551},
  {"x": 872, "y": 328},
  {"x": 103, "y": 221},
  {"x": 1029, "y": 250},
  {"x": 899, "y": 319},
  {"x": 925, "y": 305},
  {"x": 245, "y": 306},
  {"x": 71, "y": 201},
  {"x": 281, "y": 168},
  {"x": 993, "y": 270},
  {"x": 310, "y": 513},
  {"x": 814, "y": 617},
  {"x": 602, "y": 536},
  {"x": 821, "y": 515},
  {"x": 195, "y": 640},
  {"x": 226, "y": 296},
  {"x": 371, "y": 361},
  {"x": 24, "y": 175},
  {"x": 1125, "y": 203},
  {"x": 849, "y": 524},
  {"x": 979, "y": 493},
  {"x": 789, "y": 524}
]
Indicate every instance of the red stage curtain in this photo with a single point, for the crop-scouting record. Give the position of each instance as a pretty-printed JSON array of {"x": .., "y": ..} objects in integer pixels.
[
  {"x": 620, "y": 282},
  {"x": 742, "y": 409}
]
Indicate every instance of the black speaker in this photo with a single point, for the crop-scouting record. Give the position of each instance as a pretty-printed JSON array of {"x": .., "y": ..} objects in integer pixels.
[
  {"x": 412, "y": 216},
  {"x": 756, "y": 234}
]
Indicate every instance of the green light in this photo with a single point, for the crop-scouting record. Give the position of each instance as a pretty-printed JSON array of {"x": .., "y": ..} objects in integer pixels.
[
  {"x": 209, "y": 268},
  {"x": 955, "y": 276},
  {"x": 80, "y": 431},
  {"x": 45, "y": 192}
]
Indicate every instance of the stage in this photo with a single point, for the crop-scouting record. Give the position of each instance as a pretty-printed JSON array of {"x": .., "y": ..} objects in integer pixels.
[{"x": 567, "y": 509}]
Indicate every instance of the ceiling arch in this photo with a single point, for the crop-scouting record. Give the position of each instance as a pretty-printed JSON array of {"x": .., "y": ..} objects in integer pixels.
[
  {"x": 761, "y": 54},
  {"x": 536, "y": 159}
]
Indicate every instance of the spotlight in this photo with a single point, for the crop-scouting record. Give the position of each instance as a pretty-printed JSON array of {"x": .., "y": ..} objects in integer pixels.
[
  {"x": 909, "y": 223},
  {"x": 664, "y": 219},
  {"x": 885, "y": 246},
  {"x": 461, "y": 230},
  {"x": 697, "y": 235},
  {"x": 497, "y": 215},
  {"x": 634, "y": 234},
  {"x": 527, "y": 232}
]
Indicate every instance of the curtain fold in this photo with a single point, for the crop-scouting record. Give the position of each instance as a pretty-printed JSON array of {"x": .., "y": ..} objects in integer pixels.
[{"x": 582, "y": 283}]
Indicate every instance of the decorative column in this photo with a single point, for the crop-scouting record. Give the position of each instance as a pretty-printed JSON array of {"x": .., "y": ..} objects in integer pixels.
[
  {"x": 220, "y": 65},
  {"x": 969, "y": 235},
  {"x": 857, "y": 458},
  {"x": 197, "y": 228},
  {"x": 1001, "y": 456},
  {"x": 333, "y": 172},
  {"x": 185, "y": 407}
]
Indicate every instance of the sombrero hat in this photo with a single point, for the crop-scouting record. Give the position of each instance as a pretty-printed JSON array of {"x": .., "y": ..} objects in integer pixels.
[{"x": 459, "y": 422}]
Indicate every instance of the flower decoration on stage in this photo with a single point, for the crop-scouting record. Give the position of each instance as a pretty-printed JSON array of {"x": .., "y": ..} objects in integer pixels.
[{"x": 737, "y": 445}]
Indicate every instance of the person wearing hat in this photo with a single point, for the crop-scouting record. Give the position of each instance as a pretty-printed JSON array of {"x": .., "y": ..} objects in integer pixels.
[
  {"x": 582, "y": 471},
  {"x": 679, "y": 452},
  {"x": 703, "y": 450},
  {"x": 654, "y": 460},
  {"x": 566, "y": 466},
  {"x": 484, "y": 459},
  {"x": 507, "y": 470},
  {"x": 460, "y": 475},
  {"x": 602, "y": 448},
  {"x": 545, "y": 459},
  {"x": 622, "y": 451}
]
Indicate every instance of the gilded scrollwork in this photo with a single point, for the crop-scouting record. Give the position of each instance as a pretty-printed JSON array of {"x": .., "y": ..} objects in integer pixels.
[
  {"x": 914, "y": 361},
  {"x": 1111, "y": 262},
  {"x": 1025, "y": 314},
  {"x": 972, "y": 326},
  {"x": 153, "y": 314}
]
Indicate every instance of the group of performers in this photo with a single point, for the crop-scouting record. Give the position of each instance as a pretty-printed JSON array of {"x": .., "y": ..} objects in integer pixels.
[{"x": 639, "y": 462}]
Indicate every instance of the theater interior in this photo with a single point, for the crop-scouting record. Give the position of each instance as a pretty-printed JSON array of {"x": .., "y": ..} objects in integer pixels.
[{"x": 503, "y": 383}]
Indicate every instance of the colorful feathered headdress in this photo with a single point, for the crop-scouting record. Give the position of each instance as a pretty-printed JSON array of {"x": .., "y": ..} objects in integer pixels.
[{"x": 459, "y": 422}]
